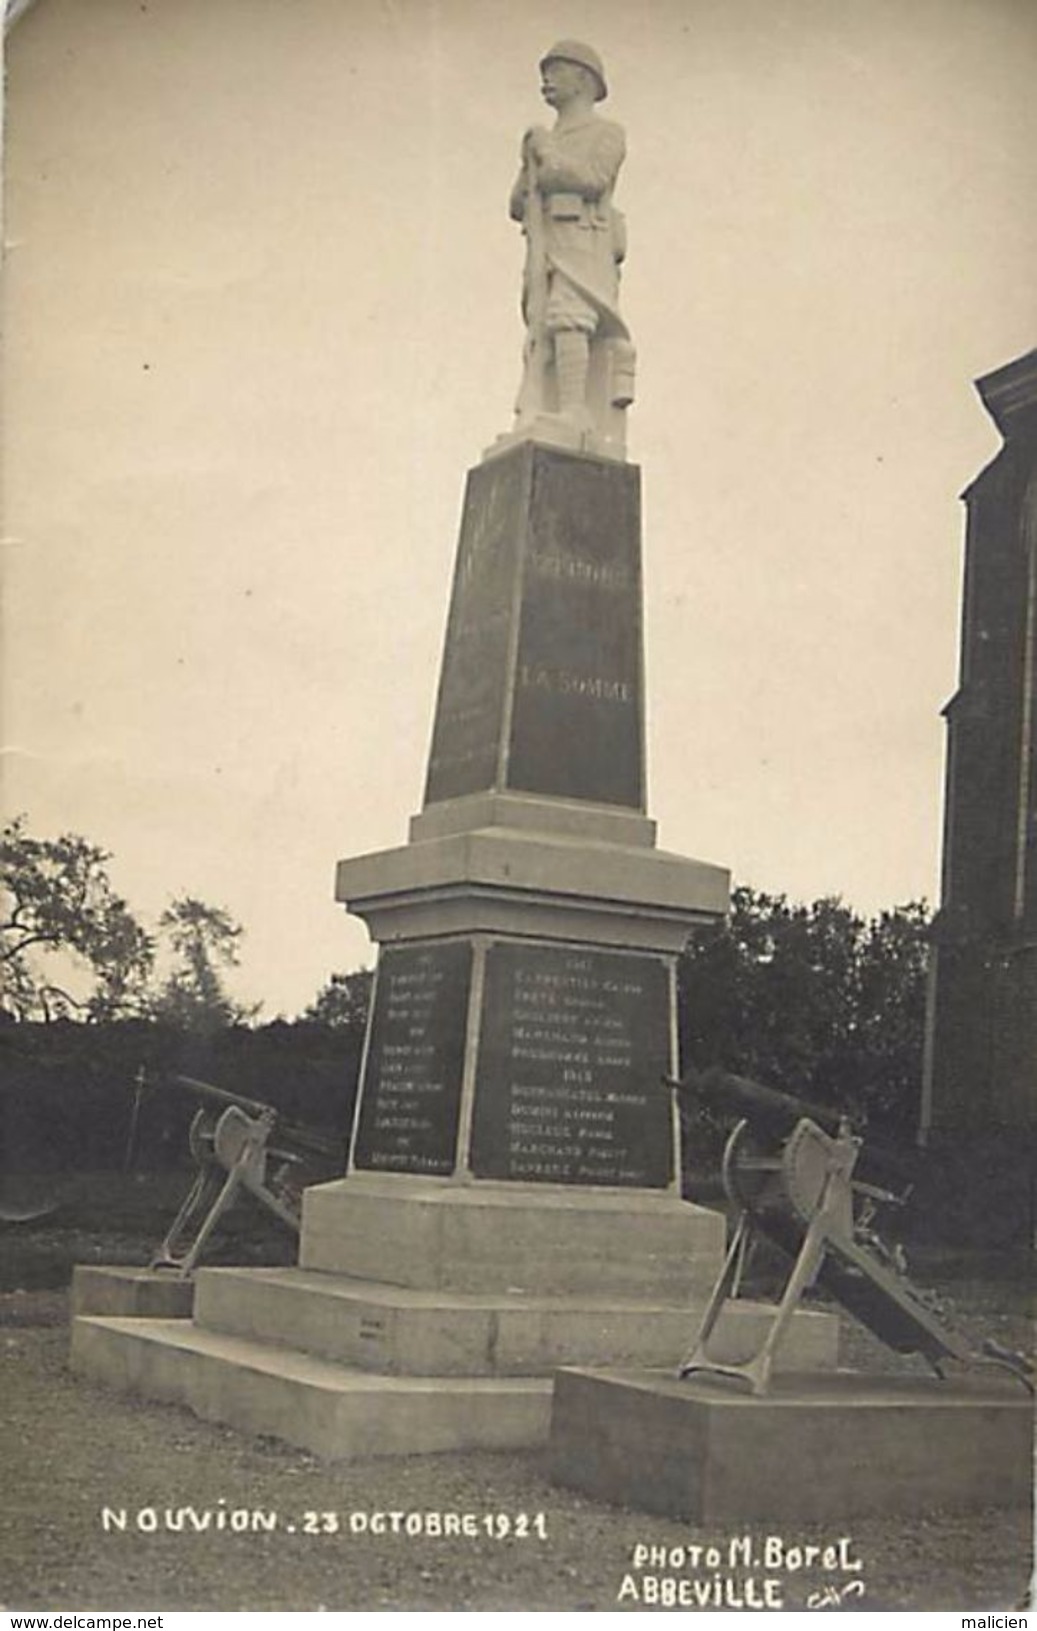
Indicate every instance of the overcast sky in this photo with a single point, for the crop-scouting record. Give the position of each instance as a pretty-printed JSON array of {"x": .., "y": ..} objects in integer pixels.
[{"x": 261, "y": 306}]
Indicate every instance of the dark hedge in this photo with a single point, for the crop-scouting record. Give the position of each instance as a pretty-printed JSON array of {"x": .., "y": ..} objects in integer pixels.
[{"x": 67, "y": 1090}]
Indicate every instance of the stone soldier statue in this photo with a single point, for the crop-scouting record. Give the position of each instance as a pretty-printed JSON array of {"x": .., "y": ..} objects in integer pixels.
[{"x": 579, "y": 361}]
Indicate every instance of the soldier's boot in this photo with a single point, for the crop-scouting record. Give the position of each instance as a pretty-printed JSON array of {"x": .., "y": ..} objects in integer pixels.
[{"x": 572, "y": 354}]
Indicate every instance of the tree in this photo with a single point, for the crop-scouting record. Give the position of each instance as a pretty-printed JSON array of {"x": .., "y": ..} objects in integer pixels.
[
  {"x": 889, "y": 1034},
  {"x": 60, "y": 918},
  {"x": 205, "y": 940},
  {"x": 343, "y": 1002},
  {"x": 813, "y": 1000}
]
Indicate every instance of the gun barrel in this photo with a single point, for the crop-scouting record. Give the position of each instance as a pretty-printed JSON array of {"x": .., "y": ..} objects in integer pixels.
[
  {"x": 777, "y": 1111},
  {"x": 218, "y": 1095},
  {"x": 758, "y": 1103},
  {"x": 310, "y": 1139}
]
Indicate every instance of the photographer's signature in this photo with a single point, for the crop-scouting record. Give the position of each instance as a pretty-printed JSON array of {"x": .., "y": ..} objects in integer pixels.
[{"x": 835, "y": 1596}]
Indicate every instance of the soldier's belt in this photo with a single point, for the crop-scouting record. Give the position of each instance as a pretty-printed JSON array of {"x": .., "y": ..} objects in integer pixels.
[{"x": 572, "y": 207}]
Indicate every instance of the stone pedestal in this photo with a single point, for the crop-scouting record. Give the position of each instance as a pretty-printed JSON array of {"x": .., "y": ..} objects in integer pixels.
[
  {"x": 524, "y": 1008},
  {"x": 512, "y": 1197},
  {"x": 541, "y": 688},
  {"x": 524, "y": 1005},
  {"x": 818, "y": 1447}
]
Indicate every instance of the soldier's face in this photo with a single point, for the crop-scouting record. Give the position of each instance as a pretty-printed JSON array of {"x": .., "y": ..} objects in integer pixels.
[{"x": 560, "y": 81}]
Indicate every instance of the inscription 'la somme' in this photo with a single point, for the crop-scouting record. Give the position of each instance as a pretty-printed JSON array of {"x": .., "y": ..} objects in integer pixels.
[{"x": 563, "y": 682}]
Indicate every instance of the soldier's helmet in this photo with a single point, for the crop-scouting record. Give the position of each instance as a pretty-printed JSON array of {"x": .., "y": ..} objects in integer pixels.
[{"x": 585, "y": 55}]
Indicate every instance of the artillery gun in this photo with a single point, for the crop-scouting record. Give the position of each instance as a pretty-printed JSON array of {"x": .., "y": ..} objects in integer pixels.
[
  {"x": 241, "y": 1144},
  {"x": 790, "y": 1171}
]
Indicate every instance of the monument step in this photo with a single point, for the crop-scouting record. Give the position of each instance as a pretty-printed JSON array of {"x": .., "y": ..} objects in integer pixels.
[
  {"x": 396, "y": 1331},
  {"x": 105, "y": 1288},
  {"x": 316, "y": 1405}
]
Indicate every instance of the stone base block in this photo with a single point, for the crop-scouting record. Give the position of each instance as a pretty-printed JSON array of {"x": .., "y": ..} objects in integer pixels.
[
  {"x": 397, "y": 1331},
  {"x": 515, "y": 881},
  {"x": 136, "y": 1293},
  {"x": 308, "y": 1402},
  {"x": 607, "y": 1243},
  {"x": 818, "y": 1448}
]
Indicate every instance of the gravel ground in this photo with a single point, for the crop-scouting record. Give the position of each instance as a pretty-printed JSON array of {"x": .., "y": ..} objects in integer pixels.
[{"x": 69, "y": 1449}]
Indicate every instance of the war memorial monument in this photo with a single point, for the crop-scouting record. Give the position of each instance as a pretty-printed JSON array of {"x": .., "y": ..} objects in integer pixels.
[{"x": 512, "y": 1204}]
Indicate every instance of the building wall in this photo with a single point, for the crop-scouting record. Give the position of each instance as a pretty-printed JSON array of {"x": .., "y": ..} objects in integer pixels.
[{"x": 982, "y": 1067}]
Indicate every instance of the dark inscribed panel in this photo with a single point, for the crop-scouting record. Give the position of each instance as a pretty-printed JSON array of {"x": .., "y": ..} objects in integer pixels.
[
  {"x": 572, "y": 1049},
  {"x": 466, "y": 736},
  {"x": 411, "y": 1089},
  {"x": 577, "y": 718}
]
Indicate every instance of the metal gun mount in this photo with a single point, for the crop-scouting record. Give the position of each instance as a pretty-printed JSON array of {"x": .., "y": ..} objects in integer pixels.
[
  {"x": 242, "y": 1144},
  {"x": 791, "y": 1181}
]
